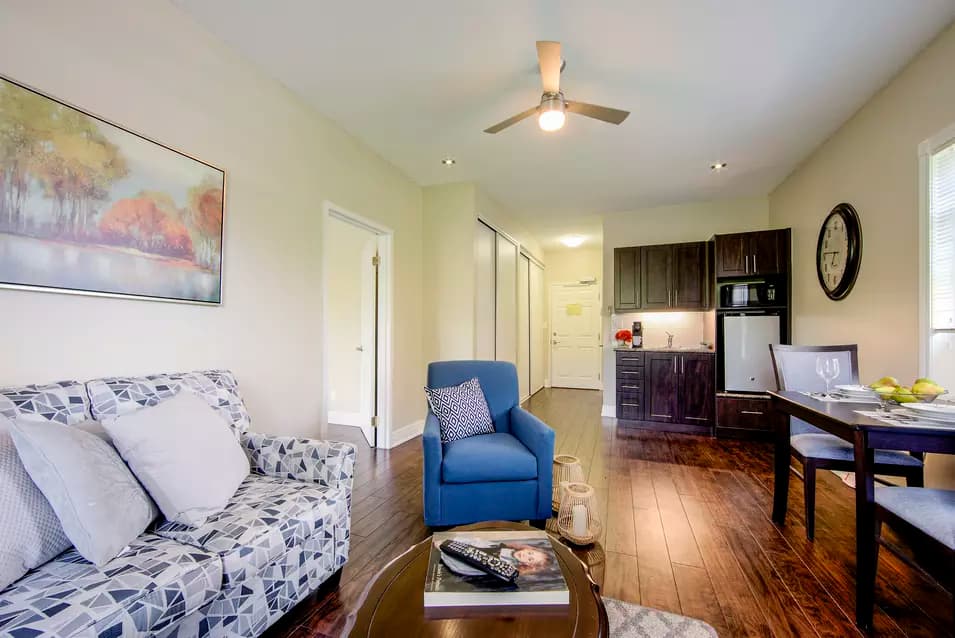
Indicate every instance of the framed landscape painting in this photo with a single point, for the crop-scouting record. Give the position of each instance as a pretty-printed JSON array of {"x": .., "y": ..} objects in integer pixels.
[{"x": 88, "y": 207}]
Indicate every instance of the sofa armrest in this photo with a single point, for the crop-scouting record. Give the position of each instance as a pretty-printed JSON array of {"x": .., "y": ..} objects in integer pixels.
[
  {"x": 539, "y": 439},
  {"x": 328, "y": 463},
  {"x": 433, "y": 457}
]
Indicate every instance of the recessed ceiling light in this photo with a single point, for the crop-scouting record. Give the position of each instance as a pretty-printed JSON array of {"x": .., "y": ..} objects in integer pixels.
[
  {"x": 572, "y": 241},
  {"x": 717, "y": 167},
  {"x": 448, "y": 161}
]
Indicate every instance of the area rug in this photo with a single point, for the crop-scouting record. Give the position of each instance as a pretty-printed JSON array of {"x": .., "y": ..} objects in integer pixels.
[{"x": 633, "y": 621}]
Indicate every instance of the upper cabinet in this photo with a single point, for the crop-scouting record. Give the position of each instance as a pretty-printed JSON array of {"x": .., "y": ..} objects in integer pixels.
[
  {"x": 664, "y": 277},
  {"x": 764, "y": 252},
  {"x": 626, "y": 278}
]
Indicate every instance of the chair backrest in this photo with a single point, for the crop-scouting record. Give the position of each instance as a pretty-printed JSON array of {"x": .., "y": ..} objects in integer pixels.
[
  {"x": 498, "y": 382},
  {"x": 795, "y": 366}
]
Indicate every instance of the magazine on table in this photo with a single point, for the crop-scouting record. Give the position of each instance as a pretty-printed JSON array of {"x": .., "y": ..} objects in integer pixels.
[{"x": 540, "y": 580}]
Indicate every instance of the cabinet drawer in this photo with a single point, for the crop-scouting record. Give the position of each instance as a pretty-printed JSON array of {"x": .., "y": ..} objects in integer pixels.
[
  {"x": 629, "y": 360},
  {"x": 629, "y": 389},
  {"x": 630, "y": 377},
  {"x": 748, "y": 414},
  {"x": 630, "y": 410}
]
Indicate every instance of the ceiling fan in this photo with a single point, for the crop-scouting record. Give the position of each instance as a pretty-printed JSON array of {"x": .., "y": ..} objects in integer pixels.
[{"x": 551, "y": 111}]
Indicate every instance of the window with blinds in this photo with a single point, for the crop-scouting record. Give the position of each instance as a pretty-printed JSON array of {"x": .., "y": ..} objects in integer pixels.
[{"x": 942, "y": 238}]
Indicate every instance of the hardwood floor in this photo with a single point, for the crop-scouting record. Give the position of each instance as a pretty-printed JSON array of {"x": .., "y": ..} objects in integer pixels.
[{"x": 687, "y": 529}]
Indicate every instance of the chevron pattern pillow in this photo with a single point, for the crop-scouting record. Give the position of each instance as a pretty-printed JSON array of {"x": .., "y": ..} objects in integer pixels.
[{"x": 461, "y": 410}]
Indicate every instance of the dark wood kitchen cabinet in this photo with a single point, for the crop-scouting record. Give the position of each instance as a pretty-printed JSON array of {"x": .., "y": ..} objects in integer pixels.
[
  {"x": 697, "y": 388},
  {"x": 763, "y": 252},
  {"x": 666, "y": 390},
  {"x": 626, "y": 279},
  {"x": 690, "y": 276},
  {"x": 663, "y": 387},
  {"x": 656, "y": 277}
]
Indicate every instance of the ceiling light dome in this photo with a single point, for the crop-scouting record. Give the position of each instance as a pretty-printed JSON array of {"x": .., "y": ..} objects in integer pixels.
[
  {"x": 572, "y": 241},
  {"x": 552, "y": 115}
]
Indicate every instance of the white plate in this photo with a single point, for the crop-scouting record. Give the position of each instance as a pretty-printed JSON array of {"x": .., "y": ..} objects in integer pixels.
[
  {"x": 855, "y": 389},
  {"x": 942, "y": 413}
]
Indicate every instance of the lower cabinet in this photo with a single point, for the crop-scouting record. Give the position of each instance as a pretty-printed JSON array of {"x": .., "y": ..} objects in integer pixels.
[
  {"x": 743, "y": 416},
  {"x": 677, "y": 389}
]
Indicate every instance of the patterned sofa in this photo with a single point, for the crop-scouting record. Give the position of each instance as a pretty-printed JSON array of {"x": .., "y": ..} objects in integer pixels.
[{"x": 283, "y": 534}]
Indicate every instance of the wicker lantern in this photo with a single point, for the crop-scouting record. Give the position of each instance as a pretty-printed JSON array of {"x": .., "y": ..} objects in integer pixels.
[
  {"x": 577, "y": 520},
  {"x": 567, "y": 469}
]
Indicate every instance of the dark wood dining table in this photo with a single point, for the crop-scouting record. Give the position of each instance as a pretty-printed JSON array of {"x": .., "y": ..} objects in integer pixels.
[{"x": 866, "y": 435}]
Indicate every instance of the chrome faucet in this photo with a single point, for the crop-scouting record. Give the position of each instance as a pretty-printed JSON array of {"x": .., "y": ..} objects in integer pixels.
[{"x": 669, "y": 339}]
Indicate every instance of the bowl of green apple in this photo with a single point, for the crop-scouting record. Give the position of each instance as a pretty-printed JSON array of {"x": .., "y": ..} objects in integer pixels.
[{"x": 890, "y": 392}]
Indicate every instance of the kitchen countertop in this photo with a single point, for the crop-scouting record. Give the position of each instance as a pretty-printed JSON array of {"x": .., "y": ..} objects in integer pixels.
[{"x": 677, "y": 349}]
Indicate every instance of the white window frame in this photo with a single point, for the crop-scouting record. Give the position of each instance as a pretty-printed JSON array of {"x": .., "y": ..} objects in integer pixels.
[{"x": 925, "y": 151}]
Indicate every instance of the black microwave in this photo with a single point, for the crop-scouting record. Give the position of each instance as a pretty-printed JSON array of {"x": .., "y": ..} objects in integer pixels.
[{"x": 750, "y": 294}]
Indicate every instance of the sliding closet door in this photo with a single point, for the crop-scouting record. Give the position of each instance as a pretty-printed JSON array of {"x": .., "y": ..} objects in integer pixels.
[
  {"x": 539, "y": 339},
  {"x": 523, "y": 326},
  {"x": 506, "y": 337},
  {"x": 485, "y": 286}
]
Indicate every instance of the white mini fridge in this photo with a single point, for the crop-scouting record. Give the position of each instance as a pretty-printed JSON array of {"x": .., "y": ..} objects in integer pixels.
[{"x": 747, "y": 366}]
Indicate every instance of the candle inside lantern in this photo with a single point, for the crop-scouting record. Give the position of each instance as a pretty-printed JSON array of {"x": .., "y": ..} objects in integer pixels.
[{"x": 579, "y": 525}]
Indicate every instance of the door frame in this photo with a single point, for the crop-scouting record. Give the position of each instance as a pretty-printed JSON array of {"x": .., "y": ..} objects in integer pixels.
[
  {"x": 597, "y": 320},
  {"x": 384, "y": 347}
]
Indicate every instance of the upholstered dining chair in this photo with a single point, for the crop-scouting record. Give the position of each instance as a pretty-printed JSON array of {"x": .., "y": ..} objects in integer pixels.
[
  {"x": 506, "y": 475},
  {"x": 927, "y": 516},
  {"x": 815, "y": 449}
]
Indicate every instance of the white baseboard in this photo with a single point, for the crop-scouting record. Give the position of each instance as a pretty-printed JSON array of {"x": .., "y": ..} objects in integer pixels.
[
  {"x": 609, "y": 410},
  {"x": 406, "y": 433},
  {"x": 353, "y": 419}
]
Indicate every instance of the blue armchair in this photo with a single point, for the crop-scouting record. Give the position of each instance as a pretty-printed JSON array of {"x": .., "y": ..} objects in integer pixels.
[{"x": 501, "y": 476}]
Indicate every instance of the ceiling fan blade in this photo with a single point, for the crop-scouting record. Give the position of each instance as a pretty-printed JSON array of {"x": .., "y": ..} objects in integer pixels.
[
  {"x": 602, "y": 113},
  {"x": 500, "y": 126},
  {"x": 548, "y": 56}
]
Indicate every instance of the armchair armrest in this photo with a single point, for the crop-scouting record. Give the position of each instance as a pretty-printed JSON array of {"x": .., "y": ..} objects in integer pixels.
[
  {"x": 328, "y": 463},
  {"x": 433, "y": 457},
  {"x": 539, "y": 439}
]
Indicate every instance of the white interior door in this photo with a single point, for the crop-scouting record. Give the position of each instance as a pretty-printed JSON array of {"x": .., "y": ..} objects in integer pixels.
[
  {"x": 539, "y": 341},
  {"x": 575, "y": 328},
  {"x": 523, "y": 327},
  {"x": 351, "y": 316},
  {"x": 485, "y": 318},
  {"x": 505, "y": 343}
]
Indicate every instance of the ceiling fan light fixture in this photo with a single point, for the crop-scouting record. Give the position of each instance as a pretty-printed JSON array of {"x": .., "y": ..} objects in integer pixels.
[{"x": 552, "y": 116}]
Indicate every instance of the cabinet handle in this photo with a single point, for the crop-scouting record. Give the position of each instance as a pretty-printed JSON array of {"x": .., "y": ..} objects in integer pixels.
[
  {"x": 674, "y": 365},
  {"x": 668, "y": 297},
  {"x": 746, "y": 264},
  {"x": 662, "y": 416},
  {"x": 630, "y": 387},
  {"x": 755, "y": 271},
  {"x": 682, "y": 365},
  {"x": 751, "y": 412},
  {"x": 630, "y": 405},
  {"x": 626, "y": 372},
  {"x": 694, "y": 418},
  {"x": 629, "y": 358}
]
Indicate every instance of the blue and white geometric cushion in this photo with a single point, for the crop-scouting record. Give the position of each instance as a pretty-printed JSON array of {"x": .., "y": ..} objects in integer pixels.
[{"x": 461, "y": 410}]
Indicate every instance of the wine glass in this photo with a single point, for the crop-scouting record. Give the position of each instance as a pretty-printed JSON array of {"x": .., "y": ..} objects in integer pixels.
[{"x": 828, "y": 369}]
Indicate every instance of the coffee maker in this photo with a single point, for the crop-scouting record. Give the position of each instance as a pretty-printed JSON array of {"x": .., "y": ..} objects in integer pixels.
[{"x": 637, "y": 335}]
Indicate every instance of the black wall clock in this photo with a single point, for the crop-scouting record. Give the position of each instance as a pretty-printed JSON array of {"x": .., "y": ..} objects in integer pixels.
[{"x": 839, "y": 252}]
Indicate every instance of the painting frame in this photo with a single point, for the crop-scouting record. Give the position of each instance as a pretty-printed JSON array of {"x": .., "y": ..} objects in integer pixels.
[{"x": 88, "y": 292}]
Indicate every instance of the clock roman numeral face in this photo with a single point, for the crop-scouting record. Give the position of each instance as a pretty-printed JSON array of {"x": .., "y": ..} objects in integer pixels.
[{"x": 834, "y": 255}]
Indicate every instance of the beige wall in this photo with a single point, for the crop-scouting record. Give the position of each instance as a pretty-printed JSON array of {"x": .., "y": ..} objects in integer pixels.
[
  {"x": 148, "y": 67},
  {"x": 871, "y": 162},
  {"x": 697, "y": 221},
  {"x": 451, "y": 212}
]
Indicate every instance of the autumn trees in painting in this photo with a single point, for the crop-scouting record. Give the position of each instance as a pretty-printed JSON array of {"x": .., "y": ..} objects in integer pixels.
[
  {"x": 49, "y": 148},
  {"x": 71, "y": 179}
]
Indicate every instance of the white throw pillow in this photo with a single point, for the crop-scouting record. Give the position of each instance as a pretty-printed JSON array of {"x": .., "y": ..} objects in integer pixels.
[
  {"x": 99, "y": 503},
  {"x": 30, "y": 532},
  {"x": 184, "y": 454}
]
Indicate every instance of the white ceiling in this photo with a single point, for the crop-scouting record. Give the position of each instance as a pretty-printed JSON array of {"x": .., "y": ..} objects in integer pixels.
[{"x": 754, "y": 83}]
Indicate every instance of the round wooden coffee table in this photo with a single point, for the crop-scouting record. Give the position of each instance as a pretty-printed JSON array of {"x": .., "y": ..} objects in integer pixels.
[{"x": 392, "y": 605}]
